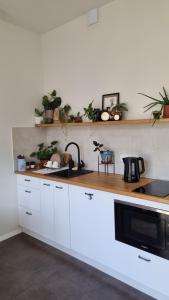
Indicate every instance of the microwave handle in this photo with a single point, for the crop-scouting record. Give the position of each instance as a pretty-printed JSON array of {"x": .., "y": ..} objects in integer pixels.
[{"x": 142, "y": 165}]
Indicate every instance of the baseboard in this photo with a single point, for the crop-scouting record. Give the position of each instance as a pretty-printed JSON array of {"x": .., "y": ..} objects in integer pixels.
[{"x": 10, "y": 234}]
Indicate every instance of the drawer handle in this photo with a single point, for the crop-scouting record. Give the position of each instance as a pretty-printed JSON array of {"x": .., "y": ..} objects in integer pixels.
[
  {"x": 27, "y": 180},
  {"x": 28, "y": 213},
  {"x": 46, "y": 184},
  {"x": 59, "y": 187},
  {"x": 89, "y": 195},
  {"x": 143, "y": 258},
  {"x": 29, "y": 192}
]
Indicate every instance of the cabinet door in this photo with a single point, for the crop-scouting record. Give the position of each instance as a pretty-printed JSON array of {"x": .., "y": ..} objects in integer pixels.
[
  {"x": 47, "y": 209},
  {"x": 62, "y": 221},
  {"x": 92, "y": 223},
  {"x": 30, "y": 219}
]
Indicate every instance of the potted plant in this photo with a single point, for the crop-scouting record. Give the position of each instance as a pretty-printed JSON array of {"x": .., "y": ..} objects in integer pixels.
[
  {"x": 117, "y": 111},
  {"x": 162, "y": 104},
  {"x": 64, "y": 113},
  {"x": 106, "y": 155},
  {"x": 44, "y": 153},
  {"x": 50, "y": 104},
  {"x": 78, "y": 118},
  {"x": 71, "y": 119},
  {"x": 90, "y": 112},
  {"x": 39, "y": 116}
]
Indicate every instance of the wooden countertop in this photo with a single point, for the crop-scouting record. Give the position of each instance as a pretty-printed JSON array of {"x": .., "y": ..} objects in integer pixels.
[{"x": 108, "y": 183}]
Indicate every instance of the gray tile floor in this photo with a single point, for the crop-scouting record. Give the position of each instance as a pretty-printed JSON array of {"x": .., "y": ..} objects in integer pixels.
[{"x": 30, "y": 269}]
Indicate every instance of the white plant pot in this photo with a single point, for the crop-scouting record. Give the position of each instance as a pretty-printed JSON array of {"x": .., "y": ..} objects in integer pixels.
[{"x": 38, "y": 120}]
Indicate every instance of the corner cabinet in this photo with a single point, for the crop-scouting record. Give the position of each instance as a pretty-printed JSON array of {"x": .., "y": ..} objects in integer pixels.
[{"x": 92, "y": 223}]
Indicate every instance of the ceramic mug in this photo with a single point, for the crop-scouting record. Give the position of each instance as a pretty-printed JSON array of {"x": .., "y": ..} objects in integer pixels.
[
  {"x": 49, "y": 164},
  {"x": 55, "y": 164}
]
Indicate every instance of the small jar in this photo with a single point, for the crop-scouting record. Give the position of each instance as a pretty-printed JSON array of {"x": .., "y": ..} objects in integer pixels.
[{"x": 21, "y": 164}]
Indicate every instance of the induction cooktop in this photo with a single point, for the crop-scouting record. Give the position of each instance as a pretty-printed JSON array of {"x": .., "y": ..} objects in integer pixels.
[{"x": 159, "y": 188}]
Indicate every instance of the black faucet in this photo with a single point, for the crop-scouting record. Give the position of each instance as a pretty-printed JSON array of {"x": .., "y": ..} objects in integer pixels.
[{"x": 80, "y": 162}]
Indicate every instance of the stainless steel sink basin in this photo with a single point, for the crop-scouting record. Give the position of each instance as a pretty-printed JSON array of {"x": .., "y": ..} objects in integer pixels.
[{"x": 69, "y": 173}]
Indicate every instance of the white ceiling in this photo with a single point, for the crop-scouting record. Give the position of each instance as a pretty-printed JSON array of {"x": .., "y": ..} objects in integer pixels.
[{"x": 44, "y": 15}]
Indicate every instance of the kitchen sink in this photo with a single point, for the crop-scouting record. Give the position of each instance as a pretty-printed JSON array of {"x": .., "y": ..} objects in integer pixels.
[{"x": 69, "y": 173}]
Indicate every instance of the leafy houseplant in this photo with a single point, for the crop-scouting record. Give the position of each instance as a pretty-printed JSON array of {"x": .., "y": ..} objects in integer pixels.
[
  {"x": 39, "y": 116},
  {"x": 78, "y": 118},
  {"x": 90, "y": 112},
  {"x": 64, "y": 113},
  {"x": 44, "y": 153},
  {"x": 50, "y": 103},
  {"x": 106, "y": 155},
  {"x": 118, "y": 109},
  {"x": 163, "y": 105}
]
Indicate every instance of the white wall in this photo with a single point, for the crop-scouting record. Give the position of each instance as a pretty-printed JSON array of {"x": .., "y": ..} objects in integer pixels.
[
  {"x": 20, "y": 88},
  {"x": 127, "y": 51}
]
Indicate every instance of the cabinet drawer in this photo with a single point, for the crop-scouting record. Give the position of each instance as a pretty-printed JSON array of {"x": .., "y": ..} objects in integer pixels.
[
  {"x": 30, "y": 219},
  {"x": 29, "y": 197},
  {"x": 142, "y": 266},
  {"x": 28, "y": 181},
  {"x": 46, "y": 184}
]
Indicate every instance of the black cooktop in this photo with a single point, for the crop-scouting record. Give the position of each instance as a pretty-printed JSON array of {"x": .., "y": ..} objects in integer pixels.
[{"x": 159, "y": 188}]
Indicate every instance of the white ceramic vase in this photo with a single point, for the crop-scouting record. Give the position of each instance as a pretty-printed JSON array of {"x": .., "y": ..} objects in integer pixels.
[{"x": 38, "y": 120}]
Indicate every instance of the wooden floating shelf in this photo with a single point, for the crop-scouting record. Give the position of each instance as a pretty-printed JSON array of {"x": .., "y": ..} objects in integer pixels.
[{"x": 107, "y": 123}]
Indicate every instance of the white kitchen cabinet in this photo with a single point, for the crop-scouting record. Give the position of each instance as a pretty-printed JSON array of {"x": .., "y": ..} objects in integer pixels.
[
  {"x": 47, "y": 209},
  {"x": 143, "y": 267},
  {"x": 28, "y": 181},
  {"x": 30, "y": 219},
  {"x": 29, "y": 203},
  {"x": 62, "y": 220},
  {"x": 29, "y": 197},
  {"x": 92, "y": 223}
]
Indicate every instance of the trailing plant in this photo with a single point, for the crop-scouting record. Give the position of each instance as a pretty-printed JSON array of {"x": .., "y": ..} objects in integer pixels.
[
  {"x": 45, "y": 152},
  {"x": 51, "y": 101},
  {"x": 39, "y": 113},
  {"x": 157, "y": 102},
  {"x": 90, "y": 113}
]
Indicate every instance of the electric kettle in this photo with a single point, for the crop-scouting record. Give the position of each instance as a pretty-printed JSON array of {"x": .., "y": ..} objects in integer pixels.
[{"x": 133, "y": 168}]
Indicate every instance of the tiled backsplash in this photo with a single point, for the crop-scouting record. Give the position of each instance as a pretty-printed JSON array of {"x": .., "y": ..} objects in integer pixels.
[
  {"x": 25, "y": 140},
  {"x": 152, "y": 143}
]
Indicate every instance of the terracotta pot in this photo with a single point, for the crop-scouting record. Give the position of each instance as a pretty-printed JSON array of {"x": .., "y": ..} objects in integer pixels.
[
  {"x": 56, "y": 116},
  {"x": 166, "y": 111}
]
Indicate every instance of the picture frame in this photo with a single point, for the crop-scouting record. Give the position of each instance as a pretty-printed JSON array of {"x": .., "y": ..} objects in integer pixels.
[{"x": 110, "y": 100}]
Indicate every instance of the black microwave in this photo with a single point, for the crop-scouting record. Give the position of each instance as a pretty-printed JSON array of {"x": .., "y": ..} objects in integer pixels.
[{"x": 143, "y": 227}]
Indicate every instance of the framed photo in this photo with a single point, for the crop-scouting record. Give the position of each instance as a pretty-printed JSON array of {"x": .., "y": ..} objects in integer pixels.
[{"x": 110, "y": 100}]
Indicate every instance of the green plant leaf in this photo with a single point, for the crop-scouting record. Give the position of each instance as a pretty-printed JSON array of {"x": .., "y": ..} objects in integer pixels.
[
  {"x": 53, "y": 94},
  {"x": 148, "y": 97},
  {"x": 54, "y": 142},
  {"x": 33, "y": 154},
  {"x": 165, "y": 93}
]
